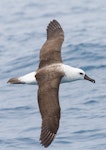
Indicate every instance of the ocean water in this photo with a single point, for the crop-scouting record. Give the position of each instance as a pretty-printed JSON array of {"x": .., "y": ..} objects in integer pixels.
[{"x": 83, "y": 104}]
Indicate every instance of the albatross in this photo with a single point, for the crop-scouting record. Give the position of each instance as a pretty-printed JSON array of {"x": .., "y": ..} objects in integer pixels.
[{"x": 50, "y": 73}]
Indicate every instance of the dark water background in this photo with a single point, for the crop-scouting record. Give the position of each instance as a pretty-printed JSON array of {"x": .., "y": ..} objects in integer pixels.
[{"x": 22, "y": 33}]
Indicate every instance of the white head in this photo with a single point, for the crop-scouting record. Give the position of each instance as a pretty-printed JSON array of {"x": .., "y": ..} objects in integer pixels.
[
  {"x": 82, "y": 75},
  {"x": 73, "y": 74}
]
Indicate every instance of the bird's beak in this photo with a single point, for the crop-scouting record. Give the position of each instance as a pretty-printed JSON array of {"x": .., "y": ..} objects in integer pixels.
[{"x": 88, "y": 78}]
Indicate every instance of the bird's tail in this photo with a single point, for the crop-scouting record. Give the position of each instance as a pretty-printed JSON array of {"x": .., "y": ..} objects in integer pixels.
[{"x": 15, "y": 81}]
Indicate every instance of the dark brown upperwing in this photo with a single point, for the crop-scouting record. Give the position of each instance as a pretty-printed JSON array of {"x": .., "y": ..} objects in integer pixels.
[
  {"x": 49, "y": 105},
  {"x": 51, "y": 50}
]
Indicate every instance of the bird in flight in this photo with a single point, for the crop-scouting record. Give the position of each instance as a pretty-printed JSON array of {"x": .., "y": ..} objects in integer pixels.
[{"x": 50, "y": 73}]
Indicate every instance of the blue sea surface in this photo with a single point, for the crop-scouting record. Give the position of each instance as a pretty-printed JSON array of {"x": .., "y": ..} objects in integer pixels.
[{"x": 83, "y": 104}]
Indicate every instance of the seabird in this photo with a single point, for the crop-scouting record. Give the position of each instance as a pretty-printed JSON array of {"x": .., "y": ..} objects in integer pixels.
[{"x": 50, "y": 73}]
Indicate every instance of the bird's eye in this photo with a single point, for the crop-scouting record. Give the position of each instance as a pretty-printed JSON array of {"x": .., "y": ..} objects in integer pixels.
[{"x": 81, "y": 73}]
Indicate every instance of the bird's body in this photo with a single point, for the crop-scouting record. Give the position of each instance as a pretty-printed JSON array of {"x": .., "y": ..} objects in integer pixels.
[
  {"x": 50, "y": 73},
  {"x": 30, "y": 78}
]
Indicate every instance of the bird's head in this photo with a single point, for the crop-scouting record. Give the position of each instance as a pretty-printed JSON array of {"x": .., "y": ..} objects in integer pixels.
[{"x": 82, "y": 75}]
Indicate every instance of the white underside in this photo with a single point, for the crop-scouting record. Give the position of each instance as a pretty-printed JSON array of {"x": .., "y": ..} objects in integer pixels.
[
  {"x": 28, "y": 78},
  {"x": 71, "y": 74}
]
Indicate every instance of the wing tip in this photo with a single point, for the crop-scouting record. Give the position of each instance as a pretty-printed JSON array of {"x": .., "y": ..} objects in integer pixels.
[
  {"x": 46, "y": 136},
  {"x": 46, "y": 141},
  {"x": 53, "y": 29}
]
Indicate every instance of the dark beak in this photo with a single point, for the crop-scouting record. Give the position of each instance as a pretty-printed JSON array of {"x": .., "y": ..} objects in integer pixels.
[{"x": 88, "y": 78}]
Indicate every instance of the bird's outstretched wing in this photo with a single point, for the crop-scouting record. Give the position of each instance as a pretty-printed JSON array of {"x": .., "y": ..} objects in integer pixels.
[
  {"x": 49, "y": 105},
  {"x": 50, "y": 52},
  {"x": 48, "y": 79}
]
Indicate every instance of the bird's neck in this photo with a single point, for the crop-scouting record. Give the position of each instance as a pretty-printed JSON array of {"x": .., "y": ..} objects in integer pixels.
[{"x": 70, "y": 74}]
